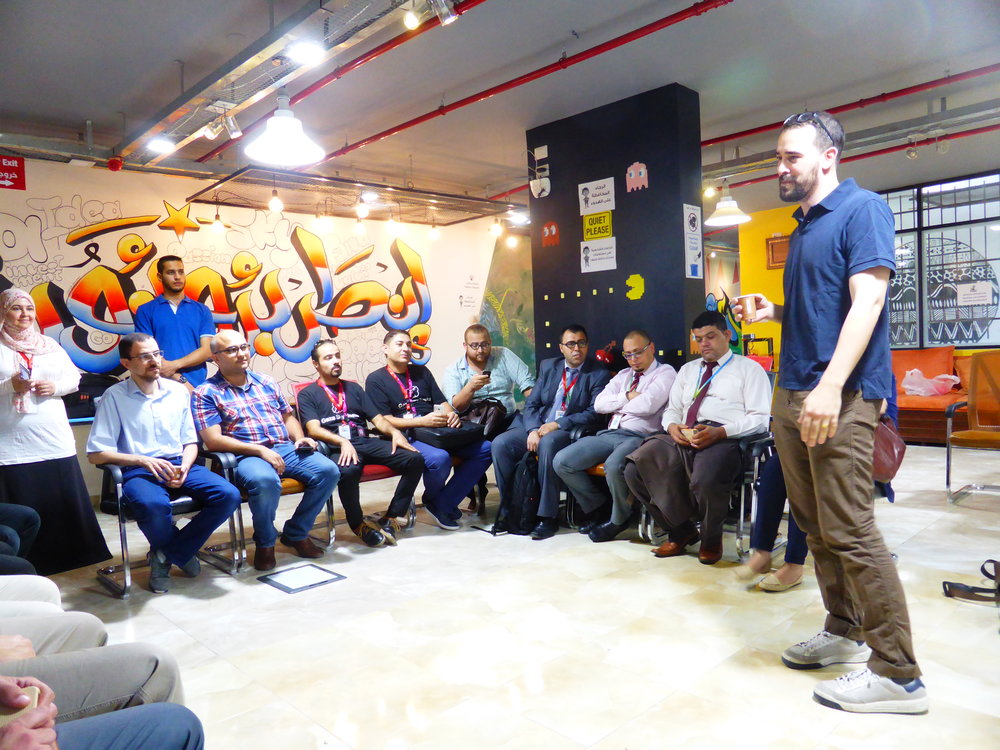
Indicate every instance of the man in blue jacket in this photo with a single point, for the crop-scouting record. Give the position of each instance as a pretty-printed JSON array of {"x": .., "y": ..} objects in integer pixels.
[{"x": 562, "y": 399}]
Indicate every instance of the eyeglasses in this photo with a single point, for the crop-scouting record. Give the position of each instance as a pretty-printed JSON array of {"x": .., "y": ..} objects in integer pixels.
[
  {"x": 480, "y": 345},
  {"x": 635, "y": 355},
  {"x": 581, "y": 344},
  {"x": 811, "y": 118},
  {"x": 148, "y": 356},
  {"x": 232, "y": 351}
]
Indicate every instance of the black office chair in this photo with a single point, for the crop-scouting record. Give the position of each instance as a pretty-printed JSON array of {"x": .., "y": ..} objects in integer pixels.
[{"x": 118, "y": 578}]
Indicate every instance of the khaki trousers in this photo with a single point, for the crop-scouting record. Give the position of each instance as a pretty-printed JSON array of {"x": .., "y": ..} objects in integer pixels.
[{"x": 830, "y": 491}]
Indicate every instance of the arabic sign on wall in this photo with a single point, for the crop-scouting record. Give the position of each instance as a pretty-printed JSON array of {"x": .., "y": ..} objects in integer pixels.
[{"x": 85, "y": 245}]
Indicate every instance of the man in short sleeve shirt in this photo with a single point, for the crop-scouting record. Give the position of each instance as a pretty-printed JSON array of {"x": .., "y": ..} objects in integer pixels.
[
  {"x": 406, "y": 394},
  {"x": 337, "y": 412},
  {"x": 182, "y": 327},
  {"x": 835, "y": 372}
]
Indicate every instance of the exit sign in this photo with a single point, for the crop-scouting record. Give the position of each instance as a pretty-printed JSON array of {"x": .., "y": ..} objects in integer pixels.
[{"x": 12, "y": 173}]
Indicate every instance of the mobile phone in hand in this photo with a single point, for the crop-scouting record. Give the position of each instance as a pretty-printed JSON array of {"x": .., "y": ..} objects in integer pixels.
[{"x": 486, "y": 373}]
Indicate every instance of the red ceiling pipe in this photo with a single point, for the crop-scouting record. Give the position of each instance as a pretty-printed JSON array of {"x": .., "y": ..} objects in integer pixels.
[
  {"x": 506, "y": 193},
  {"x": 695, "y": 10},
  {"x": 860, "y": 103},
  {"x": 346, "y": 68},
  {"x": 887, "y": 150}
]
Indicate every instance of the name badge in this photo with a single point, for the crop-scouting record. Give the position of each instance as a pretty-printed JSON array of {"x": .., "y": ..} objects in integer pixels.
[
  {"x": 560, "y": 413},
  {"x": 344, "y": 431},
  {"x": 615, "y": 421},
  {"x": 409, "y": 415}
]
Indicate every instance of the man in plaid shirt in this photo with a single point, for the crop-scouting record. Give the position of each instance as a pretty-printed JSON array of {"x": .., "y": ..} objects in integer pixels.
[{"x": 243, "y": 412}]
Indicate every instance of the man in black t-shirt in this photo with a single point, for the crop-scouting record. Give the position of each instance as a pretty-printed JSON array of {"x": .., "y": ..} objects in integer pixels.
[
  {"x": 337, "y": 412},
  {"x": 406, "y": 395}
]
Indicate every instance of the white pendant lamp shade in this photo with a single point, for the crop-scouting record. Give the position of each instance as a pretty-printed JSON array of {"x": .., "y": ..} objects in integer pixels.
[
  {"x": 727, "y": 213},
  {"x": 283, "y": 142}
]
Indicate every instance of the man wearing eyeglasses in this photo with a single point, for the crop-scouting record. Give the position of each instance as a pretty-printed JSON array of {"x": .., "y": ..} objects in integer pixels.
[
  {"x": 561, "y": 400},
  {"x": 486, "y": 371},
  {"x": 144, "y": 424},
  {"x": 182, "y": 326},
  {"x": 835, "y": 372},
  {"x": 243, "y": 412},
  {"x": 635, "y": 398},
  {"x": 686, "y": 475}
]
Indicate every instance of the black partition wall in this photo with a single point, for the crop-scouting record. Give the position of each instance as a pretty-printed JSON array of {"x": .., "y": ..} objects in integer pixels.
[{"x": 610, "y": 236}]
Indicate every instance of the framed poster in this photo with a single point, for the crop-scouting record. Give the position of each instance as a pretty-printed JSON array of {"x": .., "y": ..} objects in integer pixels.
[{"x": 777, "y": 251}]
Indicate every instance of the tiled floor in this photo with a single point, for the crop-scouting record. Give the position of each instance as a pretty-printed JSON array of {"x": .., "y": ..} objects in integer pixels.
[{"x": 461, "y": 640}]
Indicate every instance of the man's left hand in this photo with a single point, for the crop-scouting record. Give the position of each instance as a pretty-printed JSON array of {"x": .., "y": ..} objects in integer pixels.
[
  {"x": 167, "y": 368},
  {"x": 305, "y": 442},
  {"x": 706, "y": 435},
  {"x": 819, "y": 416},
  {"x": 399, "y": 441},
  {"x": 454, "y": 420}
]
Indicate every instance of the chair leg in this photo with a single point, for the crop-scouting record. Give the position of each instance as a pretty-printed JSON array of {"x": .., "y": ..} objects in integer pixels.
[
  {"x": 107, "y": 575},
  {"x": 326, "y": 540},
  {"x": 947, "y": 469},
  {"x": 233, "y": 562}
]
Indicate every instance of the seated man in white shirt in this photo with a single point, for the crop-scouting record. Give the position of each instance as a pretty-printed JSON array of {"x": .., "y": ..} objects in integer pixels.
[
  {"x": 686, "y": 475},
  {"x": 636, "y": 398}
]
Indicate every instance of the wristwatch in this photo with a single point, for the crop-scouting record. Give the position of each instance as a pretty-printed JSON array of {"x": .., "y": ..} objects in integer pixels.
[{"x": 181, "y": 378}]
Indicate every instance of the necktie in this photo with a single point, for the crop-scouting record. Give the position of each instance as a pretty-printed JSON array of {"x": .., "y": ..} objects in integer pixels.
[
  {"x": 692, "y": 414},
  {"x": 635, "y": 382}
]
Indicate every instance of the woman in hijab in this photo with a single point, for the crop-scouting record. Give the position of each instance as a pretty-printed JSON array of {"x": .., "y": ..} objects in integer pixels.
[{"x": 38, "y": 465}]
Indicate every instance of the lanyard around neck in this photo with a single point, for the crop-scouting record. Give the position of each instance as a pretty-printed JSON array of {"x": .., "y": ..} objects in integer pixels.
[
  {"x": 704, "y": 385},
  {"x": 407, "y": 391},
  {"x": 339, "y": 401}
]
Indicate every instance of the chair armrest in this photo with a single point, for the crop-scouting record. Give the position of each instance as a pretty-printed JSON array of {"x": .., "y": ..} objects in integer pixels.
[
  {"x": 581, "y": 431},
  {"x": 950, "y": 411},
  {"x": 224, "y": 460},
  {"x": 114, "y": 470}
]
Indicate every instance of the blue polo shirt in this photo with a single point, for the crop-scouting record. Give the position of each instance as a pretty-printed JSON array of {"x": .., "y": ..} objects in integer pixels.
[
  {"x": 849, "y": 231},
  {"x": 178, "y": 333}
]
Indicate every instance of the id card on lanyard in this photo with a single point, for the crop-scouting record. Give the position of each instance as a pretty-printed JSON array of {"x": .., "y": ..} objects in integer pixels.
[
  {"x": 567, "y": 392},
  {"x": 339, "y": 403},
  {"x": 25, "y": 362},
  {"x": 407, "y": 392}
]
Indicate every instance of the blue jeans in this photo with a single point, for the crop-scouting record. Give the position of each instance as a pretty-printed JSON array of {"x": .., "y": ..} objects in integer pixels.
[
  {"x": 442, "y": 495},
  {"x": 163, "y": 726},
  {"x": 149, "y": 502},
  {"x": 263, "y": 487},
  {"x": 771, "y": 496}
]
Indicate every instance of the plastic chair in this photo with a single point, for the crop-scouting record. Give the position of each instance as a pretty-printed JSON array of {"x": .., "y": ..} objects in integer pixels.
[{"x": 984, "y": 420}]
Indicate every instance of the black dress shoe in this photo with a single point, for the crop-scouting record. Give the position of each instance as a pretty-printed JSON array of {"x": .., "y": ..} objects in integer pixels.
[
  {"x": 545, "y": 528},
  {"x": 606, "y": 531},
  {"x": 586, "y": 528}
]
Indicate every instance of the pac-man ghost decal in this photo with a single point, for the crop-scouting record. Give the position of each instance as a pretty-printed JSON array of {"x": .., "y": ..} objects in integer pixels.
[
  {"x": 636, "y": 177},
  {"x": 550, "y": 234}
]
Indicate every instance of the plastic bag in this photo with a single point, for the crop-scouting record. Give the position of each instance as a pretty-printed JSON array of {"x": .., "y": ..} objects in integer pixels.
[{"x": 916, "y": 384}]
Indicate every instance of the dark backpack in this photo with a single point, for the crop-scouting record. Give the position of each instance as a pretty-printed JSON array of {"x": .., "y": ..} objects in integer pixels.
[
  {"x": 82, "y": 403},
  {"x": 517, "y": 511}
]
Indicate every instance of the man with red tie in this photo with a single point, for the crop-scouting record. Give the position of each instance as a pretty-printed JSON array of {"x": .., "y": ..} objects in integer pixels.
[{"x": 687, "y": 474}]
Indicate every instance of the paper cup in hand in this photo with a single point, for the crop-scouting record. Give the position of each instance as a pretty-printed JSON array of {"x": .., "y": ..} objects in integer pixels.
[
  {"x": 749, "y": 304},
  {"x": 688, "y": 433}
]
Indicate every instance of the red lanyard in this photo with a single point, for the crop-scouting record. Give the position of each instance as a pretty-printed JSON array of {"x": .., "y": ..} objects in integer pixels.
[
  {"x": 567, "y": 391},
  {"x": 340, "y": 403},
  {"x": 408, "y": 389},
  {"x": 27, "y": 360}
]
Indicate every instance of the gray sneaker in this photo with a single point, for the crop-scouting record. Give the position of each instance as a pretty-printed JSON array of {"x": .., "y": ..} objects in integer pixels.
[
  {"x": 192, "y": 567},
  {"x": 865, "y": 692},
  {"x": 824, "y": 649},
  {"x": 159, "y": 573}
]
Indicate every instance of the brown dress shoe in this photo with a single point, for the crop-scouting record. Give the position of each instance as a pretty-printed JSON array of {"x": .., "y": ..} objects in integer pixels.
[
  {"x": 263, "y": 558},
  {"x": 710, "y": 554},
  {"x": 303, "y": 548},
  {"x": 672, "y": 549}
]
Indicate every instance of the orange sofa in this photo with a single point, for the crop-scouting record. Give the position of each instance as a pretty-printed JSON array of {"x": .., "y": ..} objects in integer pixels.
[{"x": 921, "y": 418}]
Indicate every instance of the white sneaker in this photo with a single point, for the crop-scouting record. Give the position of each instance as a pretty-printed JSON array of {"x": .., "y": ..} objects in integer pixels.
[
  {"x": 865, "y": 692},
  {"x": 824, "y": 649}
]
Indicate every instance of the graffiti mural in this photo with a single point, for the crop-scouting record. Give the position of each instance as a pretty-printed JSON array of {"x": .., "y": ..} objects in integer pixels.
[{"x": 89, "y": 265}]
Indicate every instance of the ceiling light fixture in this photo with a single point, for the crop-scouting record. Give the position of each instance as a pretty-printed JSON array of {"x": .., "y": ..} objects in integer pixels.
[
  {"x": 306, "y": 52},
  {"x": 518, "y": 218},
  {"x": 710, "y": 191},
  {"x": 217, "y": 226},
  {"x": 275, "y": 204},
  {"x": 161, "y": 145},
  {"x": 511, "y": 241},
  {"x": 233, "y": 129},
  {"x": 496, "y": 228},
  {"x": 283, "y": 142},
  {"x": 369, "y": 196},
  {"x": 444, "y": 10},
  {"x": 727, "y": 213},
  {"x": 362, "y": 210},
  {"x": 411, "y": 20},
  {"x": 359, "y": 228},
  {"x": 211, "y": 131},
  {"x": 434, "y": 233}
]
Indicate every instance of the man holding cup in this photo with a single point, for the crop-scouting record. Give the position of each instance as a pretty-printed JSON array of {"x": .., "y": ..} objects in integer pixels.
[
  {"x": 686, "y": 475},
  {"x": 144, "y": 424}
]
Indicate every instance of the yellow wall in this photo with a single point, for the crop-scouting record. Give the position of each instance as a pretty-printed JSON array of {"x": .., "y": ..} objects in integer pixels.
[{"x": 755, "y": 276}]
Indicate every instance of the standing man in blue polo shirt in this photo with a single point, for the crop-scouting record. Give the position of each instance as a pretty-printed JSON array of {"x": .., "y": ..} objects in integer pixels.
[
  {"x": 835, "y": 372},
  {"x": 183, "y": 327}
]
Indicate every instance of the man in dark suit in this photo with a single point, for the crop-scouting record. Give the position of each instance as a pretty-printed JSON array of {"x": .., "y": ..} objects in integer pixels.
[{"x": 562, "y": 399}]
